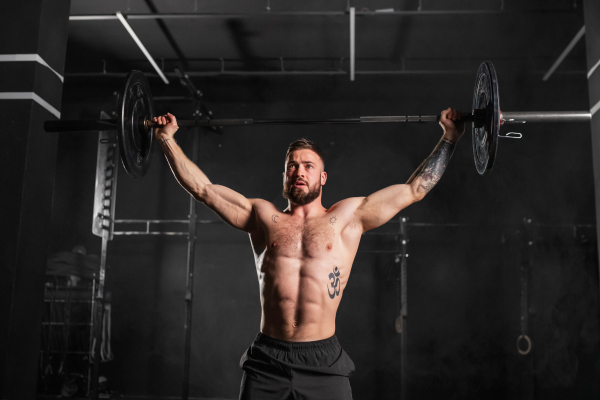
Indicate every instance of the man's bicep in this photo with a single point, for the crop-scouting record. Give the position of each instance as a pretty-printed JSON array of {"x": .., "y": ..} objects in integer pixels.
[
  {"x": 234, "y": 208},
  {"x": 381, "y": 206}
]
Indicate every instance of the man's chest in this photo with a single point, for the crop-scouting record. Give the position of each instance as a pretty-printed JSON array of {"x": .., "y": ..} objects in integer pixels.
[{"x": 291, "y": 237}]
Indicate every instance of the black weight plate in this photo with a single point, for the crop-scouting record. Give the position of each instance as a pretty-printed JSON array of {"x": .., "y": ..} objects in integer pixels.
[
  {"x": 135, "y": 140},
  {"x": 485, "y": 134}
]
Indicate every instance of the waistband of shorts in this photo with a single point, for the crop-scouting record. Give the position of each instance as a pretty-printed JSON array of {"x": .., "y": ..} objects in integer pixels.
[{"x": 296, "y": 346}]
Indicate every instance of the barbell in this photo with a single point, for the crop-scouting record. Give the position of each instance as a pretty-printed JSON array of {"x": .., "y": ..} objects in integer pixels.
[{"x": 134, "y": 123}]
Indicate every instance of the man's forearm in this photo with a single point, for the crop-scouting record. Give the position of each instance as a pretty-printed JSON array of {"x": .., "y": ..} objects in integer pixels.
[
  {"x": 189, "y": 176},
  {"x": 430, "y": 171}
]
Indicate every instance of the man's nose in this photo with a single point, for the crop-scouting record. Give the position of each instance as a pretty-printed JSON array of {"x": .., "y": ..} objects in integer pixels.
[{"x": 299, "y": 171}]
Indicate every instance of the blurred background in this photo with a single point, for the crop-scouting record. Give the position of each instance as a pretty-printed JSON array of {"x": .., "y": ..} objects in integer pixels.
[{"x": 486, "y": 259}]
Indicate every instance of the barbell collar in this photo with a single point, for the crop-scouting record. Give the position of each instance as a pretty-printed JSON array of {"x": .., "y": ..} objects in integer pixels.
[
  {"x": 520, "y": 117},
  {"x": 81, "y": 126}
]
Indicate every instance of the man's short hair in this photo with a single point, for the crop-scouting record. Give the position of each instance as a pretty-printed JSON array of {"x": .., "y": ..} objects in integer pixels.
[{"x": 301, "y": 144}]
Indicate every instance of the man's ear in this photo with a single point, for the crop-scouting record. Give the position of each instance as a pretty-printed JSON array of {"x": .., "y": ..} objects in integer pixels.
[{"x": 323, "y": 178}]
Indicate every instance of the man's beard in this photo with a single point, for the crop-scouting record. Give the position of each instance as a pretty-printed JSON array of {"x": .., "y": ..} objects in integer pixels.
[{"x": 297, "y": 196}]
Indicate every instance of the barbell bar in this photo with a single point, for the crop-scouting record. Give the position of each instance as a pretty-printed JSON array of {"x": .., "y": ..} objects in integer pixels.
[
  {"x": 134, "y": 123},
  {"x": 518, "y": 117}
]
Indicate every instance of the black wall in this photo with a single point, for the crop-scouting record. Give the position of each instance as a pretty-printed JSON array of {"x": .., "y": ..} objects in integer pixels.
[{"x": 463, "y": 282}]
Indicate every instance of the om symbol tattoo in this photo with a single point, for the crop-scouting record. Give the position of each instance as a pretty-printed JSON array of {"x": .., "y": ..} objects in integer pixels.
[{"x": 335, "y": 283}]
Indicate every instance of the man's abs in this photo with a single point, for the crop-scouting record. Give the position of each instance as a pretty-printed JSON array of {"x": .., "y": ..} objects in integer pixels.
[
  {"x": 303, "y": 270},
  {"x": 296, "y": 305}
]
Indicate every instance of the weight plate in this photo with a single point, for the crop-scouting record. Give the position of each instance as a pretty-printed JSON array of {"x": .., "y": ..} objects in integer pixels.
[
  {"x": 486, "y": 102},
  {"x": 135, "y": 140}
]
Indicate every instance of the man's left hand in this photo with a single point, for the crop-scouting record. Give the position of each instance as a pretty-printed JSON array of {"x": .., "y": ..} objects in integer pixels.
[{"x": 452, "y": 124}]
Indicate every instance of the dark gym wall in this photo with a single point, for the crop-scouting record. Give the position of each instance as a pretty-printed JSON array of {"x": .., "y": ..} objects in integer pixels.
[
  {"x": 463, "y": 283},
  {"x": 33, "y": 47}
]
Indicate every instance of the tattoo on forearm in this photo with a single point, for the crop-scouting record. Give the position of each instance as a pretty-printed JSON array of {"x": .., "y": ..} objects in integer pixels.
[
  {"x": 164, "y": 140},
  {"x": 335, "y": 283},
  {"x": 433, "y": 167}
]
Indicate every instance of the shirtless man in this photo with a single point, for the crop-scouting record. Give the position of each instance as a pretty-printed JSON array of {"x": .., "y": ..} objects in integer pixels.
[{"x": 303, "y": 256}]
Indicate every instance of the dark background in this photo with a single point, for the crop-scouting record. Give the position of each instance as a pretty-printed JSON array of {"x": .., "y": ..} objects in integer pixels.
[{"x": 463, "y": 281}]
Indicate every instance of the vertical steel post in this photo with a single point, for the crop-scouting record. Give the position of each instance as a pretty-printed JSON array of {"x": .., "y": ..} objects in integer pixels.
[
  {"x": 591, "y": 13},
  {"x": 524, "y": 342},
  {"x": 404, "y": 303},
  {"x": 99, "y": 317},
  {"x": 189, "y": 292},
  {"x": 102, "y": 225},
  {"x": 352, "y": 41}
]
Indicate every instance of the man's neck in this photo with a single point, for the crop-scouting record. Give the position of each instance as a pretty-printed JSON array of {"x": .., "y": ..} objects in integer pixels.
[{"x": 307, "y": 210}]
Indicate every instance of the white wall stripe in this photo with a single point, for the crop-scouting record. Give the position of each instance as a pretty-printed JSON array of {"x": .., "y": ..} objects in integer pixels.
[
  {"x": 29, "y": 57},
  {"x": 591, "y": 71},
  {"x": 30, "y": 96},
  {"x": 595, "y": 109},
  {"x": 141, "y": 46}
]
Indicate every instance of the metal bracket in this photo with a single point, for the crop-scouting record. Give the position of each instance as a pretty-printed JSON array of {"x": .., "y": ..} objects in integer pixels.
[{"x": 511, "y": 135}]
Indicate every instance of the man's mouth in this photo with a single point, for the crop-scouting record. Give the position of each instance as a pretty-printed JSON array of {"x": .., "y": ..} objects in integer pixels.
[{"x": 299, "y": 184}]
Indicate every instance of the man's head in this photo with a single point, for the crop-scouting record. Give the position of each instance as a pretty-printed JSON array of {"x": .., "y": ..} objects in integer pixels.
[{"x": 304, "y": 172}]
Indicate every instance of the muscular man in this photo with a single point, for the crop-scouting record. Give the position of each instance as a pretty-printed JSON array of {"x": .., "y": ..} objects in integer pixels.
[{"x": 303, "y": 256}]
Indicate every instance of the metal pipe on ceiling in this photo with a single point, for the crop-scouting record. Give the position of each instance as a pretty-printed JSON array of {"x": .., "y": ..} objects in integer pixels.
[
  {"x": 100, "y": 17},
  {"x": 141, "y": 46},
  {"x": 564, "y": 54},
  {"x": 269, "y": 73}
]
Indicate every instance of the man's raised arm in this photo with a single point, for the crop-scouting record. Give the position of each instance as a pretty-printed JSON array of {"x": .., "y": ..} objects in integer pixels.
[
  {"x": 378, "y": 208},
  {"x": 234, "y": 208}
]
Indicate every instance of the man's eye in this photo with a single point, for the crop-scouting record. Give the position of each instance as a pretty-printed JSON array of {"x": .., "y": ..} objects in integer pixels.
[{"x": 309, "y": 166}]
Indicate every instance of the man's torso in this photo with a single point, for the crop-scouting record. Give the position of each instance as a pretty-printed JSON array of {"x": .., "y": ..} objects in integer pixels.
[{"x": 303, "y": 266}]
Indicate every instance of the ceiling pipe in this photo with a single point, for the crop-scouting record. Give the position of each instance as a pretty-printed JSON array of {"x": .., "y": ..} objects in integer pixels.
[
  {"x": 141, "y": 46},
  {"x": 271, "y": 73},
  {"x": 100, "y": 17},
  {"x": 564, "y": 54}
]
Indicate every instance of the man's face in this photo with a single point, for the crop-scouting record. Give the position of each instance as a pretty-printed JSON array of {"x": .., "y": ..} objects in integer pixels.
[{"x": 303, "y": 177}]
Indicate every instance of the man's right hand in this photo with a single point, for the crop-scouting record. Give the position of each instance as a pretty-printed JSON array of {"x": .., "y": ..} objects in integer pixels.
[{"x": 167, "y": 126}]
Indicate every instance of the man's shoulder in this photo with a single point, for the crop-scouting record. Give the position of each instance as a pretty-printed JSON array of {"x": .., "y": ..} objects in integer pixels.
[
  {"x": 261, "y": 205},
  {"x": 348, "y": 205}
]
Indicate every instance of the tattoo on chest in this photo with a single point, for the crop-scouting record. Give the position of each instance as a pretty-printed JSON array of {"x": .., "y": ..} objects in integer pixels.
[
  {"x": 334, "y": 283},
  {"x": 275, "y": 218},
  {"x": 332, "y": 220}
]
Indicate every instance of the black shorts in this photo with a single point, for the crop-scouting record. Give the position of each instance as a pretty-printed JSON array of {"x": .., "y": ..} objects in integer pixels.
[{"x": 277, "y": 369}]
